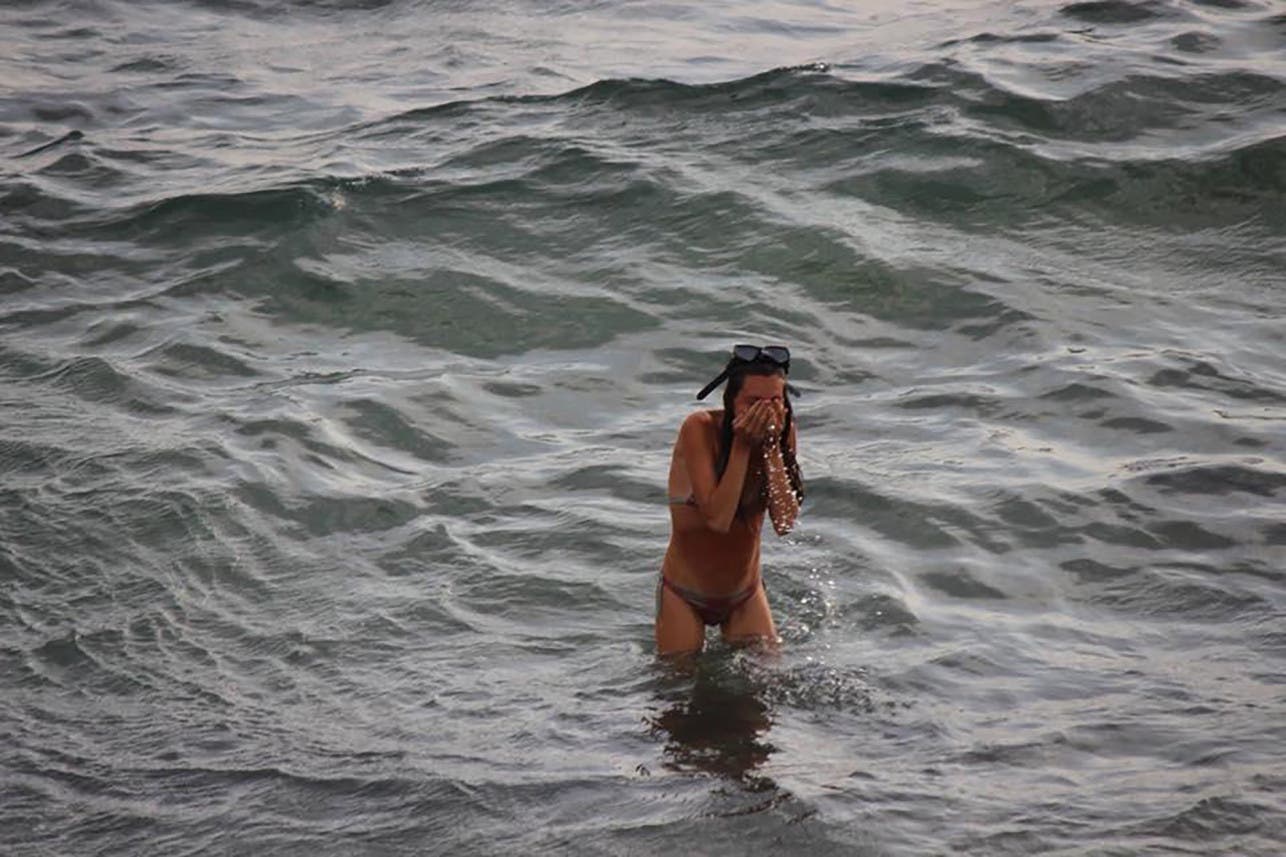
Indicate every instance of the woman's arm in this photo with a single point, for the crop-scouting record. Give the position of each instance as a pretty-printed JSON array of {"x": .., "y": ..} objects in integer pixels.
[
  {"x": 717, "y": 498},
  {"x": 783, "y": 503}
]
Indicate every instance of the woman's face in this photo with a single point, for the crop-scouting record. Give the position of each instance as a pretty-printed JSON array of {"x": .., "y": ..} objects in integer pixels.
[{"x": 755, "y": 388}]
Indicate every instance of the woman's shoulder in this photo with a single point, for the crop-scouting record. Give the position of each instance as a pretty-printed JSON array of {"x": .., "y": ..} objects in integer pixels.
[{"x": 704, "y": 420}]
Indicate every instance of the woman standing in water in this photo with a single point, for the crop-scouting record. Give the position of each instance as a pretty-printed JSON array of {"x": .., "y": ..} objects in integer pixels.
[{"x": 728, "y": 468}]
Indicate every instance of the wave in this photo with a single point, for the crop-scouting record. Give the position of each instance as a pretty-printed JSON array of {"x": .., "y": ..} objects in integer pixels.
[{"x": 936, "y": 141}]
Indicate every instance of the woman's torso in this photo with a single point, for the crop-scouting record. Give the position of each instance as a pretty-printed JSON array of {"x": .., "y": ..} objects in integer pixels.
[{"x": 698, "y": 557}]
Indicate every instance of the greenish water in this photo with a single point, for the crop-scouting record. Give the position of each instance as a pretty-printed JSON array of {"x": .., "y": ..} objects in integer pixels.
[{"x": 343, "y": 345}]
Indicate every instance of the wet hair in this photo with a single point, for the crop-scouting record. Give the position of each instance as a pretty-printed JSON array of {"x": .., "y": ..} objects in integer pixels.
[{"x": 737, "y": 373}]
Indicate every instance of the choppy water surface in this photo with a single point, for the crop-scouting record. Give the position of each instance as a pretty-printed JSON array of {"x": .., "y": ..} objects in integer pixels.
[{"x": 342, "y": 346}]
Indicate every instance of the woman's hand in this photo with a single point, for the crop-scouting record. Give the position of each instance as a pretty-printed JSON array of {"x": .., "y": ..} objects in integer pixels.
[
  {"x": 760, "y": 422},
  {"x": 776, "y": 420},
  {"x": 751, "y": 424}
]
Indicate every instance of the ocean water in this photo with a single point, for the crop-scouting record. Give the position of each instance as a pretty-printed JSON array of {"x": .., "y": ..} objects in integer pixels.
[{"x": 343, "y": 345}]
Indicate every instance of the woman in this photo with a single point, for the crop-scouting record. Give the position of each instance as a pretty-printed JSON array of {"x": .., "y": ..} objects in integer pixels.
[{"x": 729, "y": 466}]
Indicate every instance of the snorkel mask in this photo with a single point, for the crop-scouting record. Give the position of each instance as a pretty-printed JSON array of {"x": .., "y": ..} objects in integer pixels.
[{"x": 777, "y": 356}]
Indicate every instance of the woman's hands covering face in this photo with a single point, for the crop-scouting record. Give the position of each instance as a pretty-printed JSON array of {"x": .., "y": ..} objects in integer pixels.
[{"x": 760, "y": 422}]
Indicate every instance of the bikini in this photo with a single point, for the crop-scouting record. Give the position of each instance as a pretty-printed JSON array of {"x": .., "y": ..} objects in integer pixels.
[{"x": 712, "y": 610}]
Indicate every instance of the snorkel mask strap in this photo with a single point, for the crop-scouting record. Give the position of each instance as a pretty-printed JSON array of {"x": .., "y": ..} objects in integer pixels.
[
  {"x": 723, "y": 376},
  {"x": 719, "y": 379}
]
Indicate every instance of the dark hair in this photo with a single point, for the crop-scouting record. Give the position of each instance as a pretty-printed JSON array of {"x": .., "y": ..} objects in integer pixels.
[{"x": 737, "y": 372}]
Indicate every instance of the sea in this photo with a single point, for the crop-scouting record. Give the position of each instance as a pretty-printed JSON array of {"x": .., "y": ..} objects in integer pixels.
[{"x": 344, "y": 344}]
